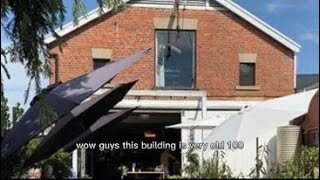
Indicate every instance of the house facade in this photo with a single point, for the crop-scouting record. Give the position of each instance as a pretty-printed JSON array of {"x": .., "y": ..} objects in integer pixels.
[{"x": 208, "y": 59}]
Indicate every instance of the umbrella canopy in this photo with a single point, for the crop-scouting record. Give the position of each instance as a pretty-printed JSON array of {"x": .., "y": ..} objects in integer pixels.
[
  {"x": 105, "y": 121},
  {"x": 236, "y": 136},
  {"x": 77, "y": 121},
  {"x": 83, "y": 86},
  {"x": 61, "y": 99},
  {"x": 262, "y": 118}
]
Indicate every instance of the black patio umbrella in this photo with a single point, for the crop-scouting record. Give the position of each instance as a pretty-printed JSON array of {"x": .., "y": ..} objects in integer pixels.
[
  {"x": 61, "y": 99},
  {"x": 77, "y": 121},
  {"x": 106, "y": 121}
]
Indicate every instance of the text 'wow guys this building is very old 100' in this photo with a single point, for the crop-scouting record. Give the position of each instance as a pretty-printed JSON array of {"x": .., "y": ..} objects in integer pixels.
[{"x": 208, "y": 60}]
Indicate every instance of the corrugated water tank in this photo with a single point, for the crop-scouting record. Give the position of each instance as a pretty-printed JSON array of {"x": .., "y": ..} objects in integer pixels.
[{"x": 288, "y": 142}]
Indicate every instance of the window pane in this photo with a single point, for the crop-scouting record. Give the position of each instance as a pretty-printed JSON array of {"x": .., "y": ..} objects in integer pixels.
[
  {"x": 98, "y": 63},
  {"x": 175, "y": 59},
  {"x": 247, "y": 74}
]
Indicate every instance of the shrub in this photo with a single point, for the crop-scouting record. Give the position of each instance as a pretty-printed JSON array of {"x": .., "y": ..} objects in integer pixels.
[
  {"x": 214, "y": 167},
  {"x": 12, "y": 168},
  {"x": 305, "y": 165},
  {"x": 259, "y": 169},
  {"x": 191, "y": 169},
  {"x": 61, "y": 163}
]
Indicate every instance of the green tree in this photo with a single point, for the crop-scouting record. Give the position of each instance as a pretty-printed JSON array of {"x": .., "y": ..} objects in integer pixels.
[
  {"x": 13, "y": 168},
  {"x": 4, "y": 116},
  {"x": 17, "y": 112},
  {"x": 26, "y": 22},
  {"x": 61, "y": 161}
]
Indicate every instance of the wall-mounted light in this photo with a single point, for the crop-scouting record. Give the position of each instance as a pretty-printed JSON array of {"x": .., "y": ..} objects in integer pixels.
[
  {"x": 144, "y": 116},
  {"x": 150, "y": 134}
]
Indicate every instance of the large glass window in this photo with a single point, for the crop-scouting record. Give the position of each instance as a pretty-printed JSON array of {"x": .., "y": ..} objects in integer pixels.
[{"x": 175, "y": 66}]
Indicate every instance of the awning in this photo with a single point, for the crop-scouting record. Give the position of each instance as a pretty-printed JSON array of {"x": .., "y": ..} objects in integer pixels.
[
  {"x": 199, "y": 124},
  {"x": 77, "y": 121},
  {"x": 62, "y": 99}
]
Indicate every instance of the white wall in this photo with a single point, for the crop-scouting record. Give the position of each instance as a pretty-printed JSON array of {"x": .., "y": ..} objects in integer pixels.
[
  {"x": 199, "y": 134},
  {"x": 243, "y": 161}
]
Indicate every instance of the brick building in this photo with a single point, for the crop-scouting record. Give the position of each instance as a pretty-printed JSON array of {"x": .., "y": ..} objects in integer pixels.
[{"x": 209, "y": 59}]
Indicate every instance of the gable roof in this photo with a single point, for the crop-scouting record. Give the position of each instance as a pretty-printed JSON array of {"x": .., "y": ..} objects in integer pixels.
[{"x": 228, "y": 4}]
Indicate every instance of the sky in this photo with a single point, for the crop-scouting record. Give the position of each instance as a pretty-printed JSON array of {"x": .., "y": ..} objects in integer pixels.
[{"x": 297, "y": 19}]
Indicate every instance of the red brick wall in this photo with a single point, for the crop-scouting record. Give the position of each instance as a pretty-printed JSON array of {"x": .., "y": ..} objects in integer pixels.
[{"x": 220, "y": 36}]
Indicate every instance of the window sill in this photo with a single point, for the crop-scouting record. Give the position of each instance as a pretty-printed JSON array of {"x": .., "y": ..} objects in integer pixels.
[
  {"x": 248, "y": 88},
  {"x": 176, "y": 88}
]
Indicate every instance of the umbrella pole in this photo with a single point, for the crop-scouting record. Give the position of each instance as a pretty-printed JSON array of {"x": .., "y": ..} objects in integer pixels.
[
  {"x": 202, "y": 142},
  {"x": 257, "y": 157}
]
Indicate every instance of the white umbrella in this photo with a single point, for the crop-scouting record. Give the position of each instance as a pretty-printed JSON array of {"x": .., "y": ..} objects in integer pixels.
[
  {"x": 264, "y": 117},
  {"x": 260, "y": 121},
  {"x": 200, "y": 124}
]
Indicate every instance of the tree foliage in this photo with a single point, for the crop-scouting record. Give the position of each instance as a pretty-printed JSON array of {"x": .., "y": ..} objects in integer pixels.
[
  {"x": 304, "y": 166},
  {"x": 26, "y": 23},
  {"x": 12, "y": 167},
  {"x": 61, "y": 161},
  {"x": 214, "y": 167},
  {"x": 261, "y": 158},
  {"x": 5, "y": 115},
  {"x": 17, "y": 112}
]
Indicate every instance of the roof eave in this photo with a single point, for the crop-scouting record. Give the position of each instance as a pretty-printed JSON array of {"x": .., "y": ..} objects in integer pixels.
[{"x": 266, "y": 28}]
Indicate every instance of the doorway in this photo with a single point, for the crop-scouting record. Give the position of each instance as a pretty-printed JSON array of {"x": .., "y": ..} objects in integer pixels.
[{"x": 137, "y": 128}]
